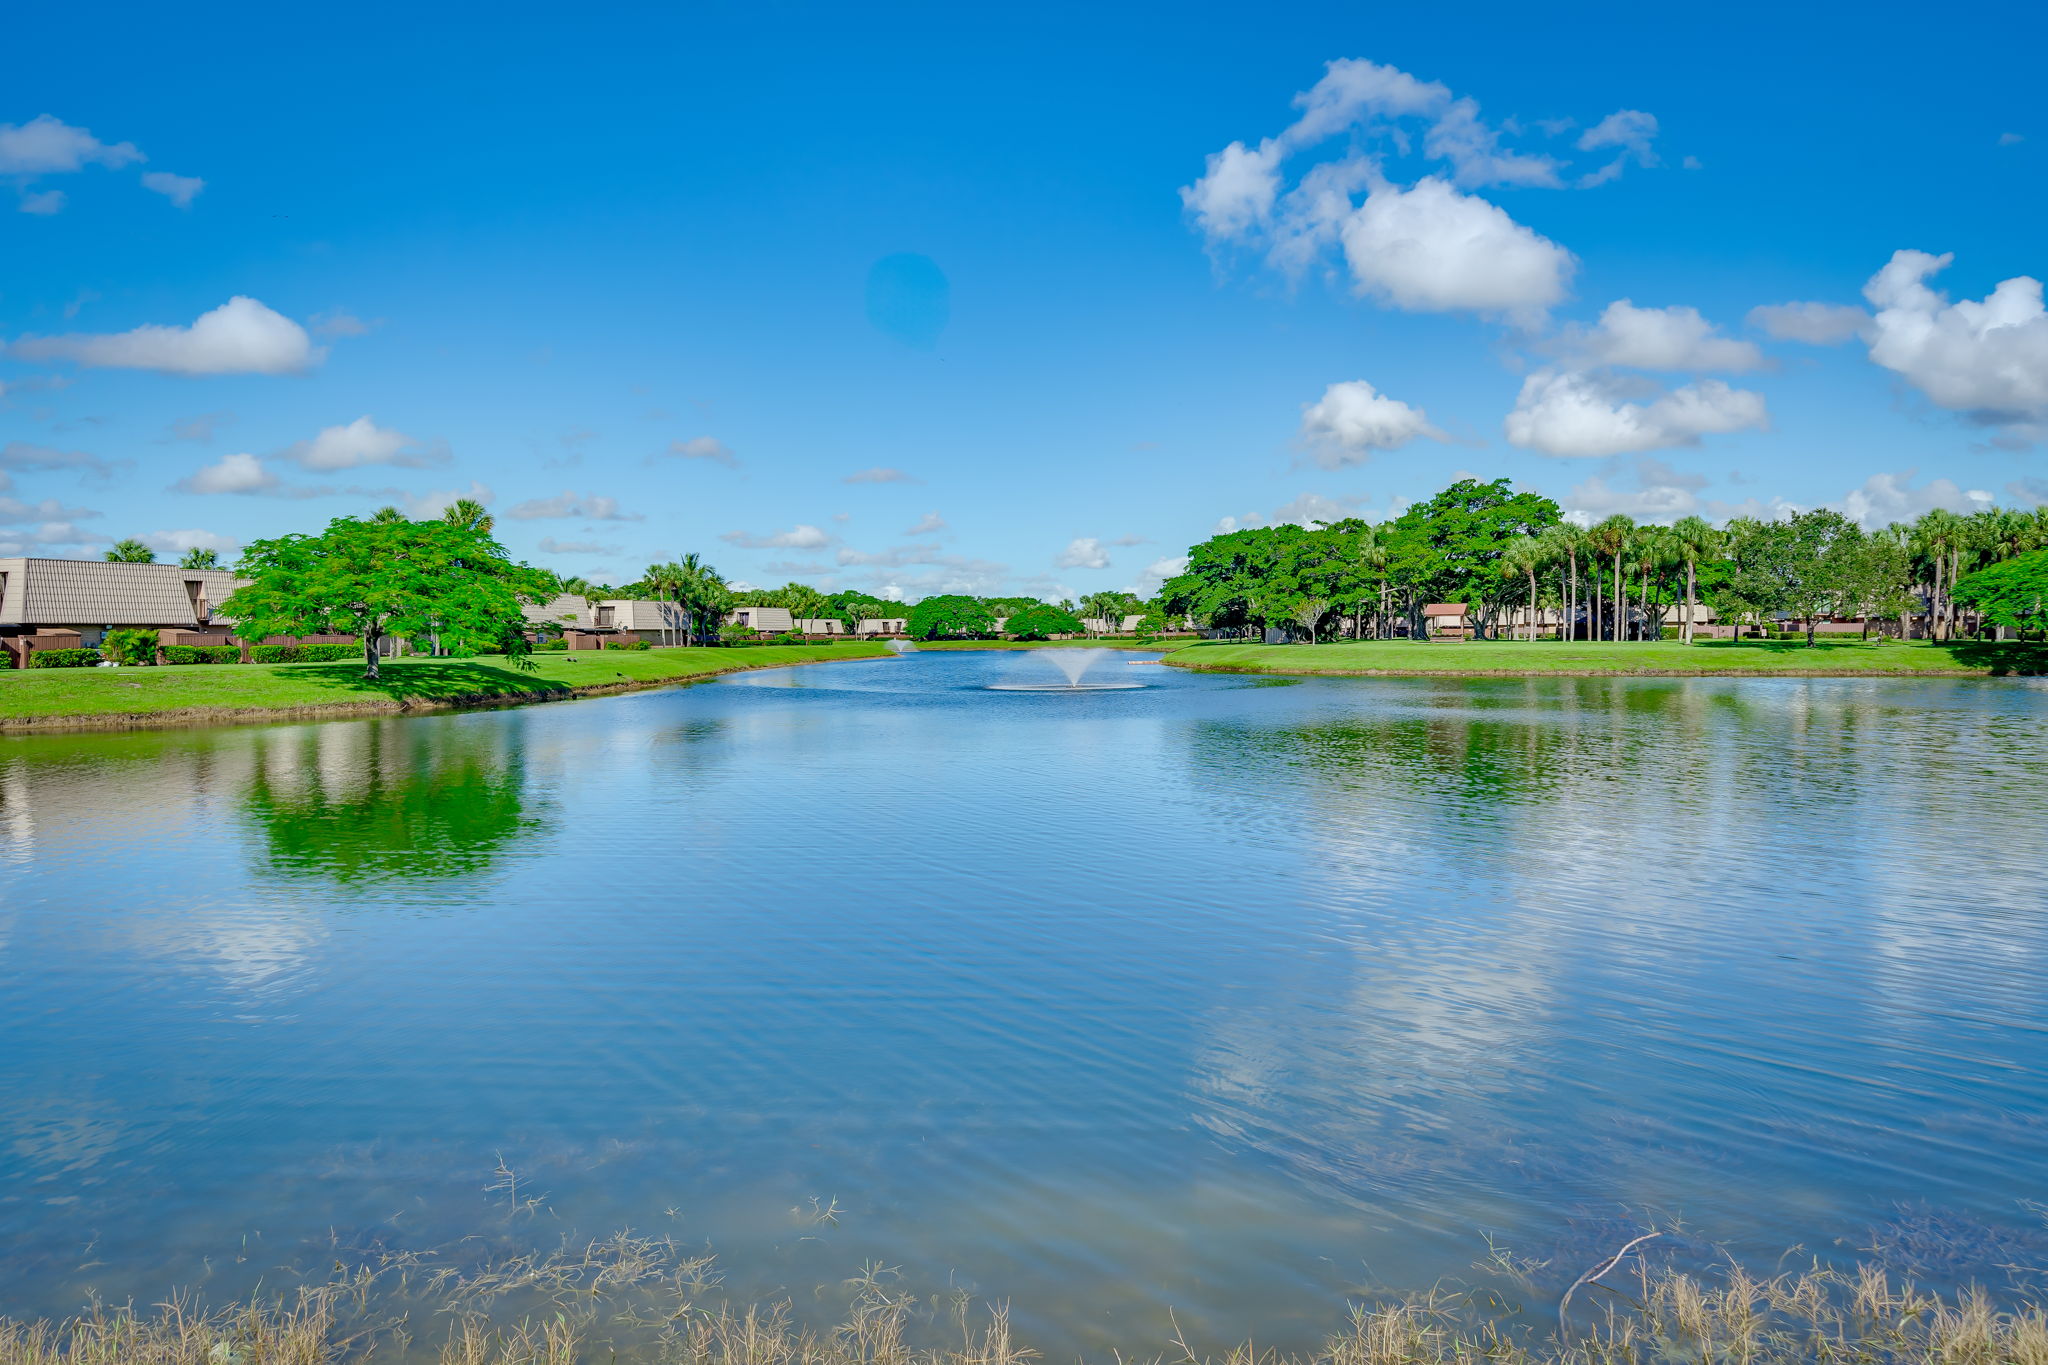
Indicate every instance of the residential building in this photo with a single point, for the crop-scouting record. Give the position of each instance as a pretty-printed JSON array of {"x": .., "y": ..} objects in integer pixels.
[{"x": 73, "y": 603}]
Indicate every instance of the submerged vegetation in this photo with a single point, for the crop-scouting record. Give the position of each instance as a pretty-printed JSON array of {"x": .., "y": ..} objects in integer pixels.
[{"x": 630, "y": 1298}]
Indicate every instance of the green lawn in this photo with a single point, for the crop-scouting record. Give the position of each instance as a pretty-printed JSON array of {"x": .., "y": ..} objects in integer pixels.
[
  {"x": 1754, "y": 657},
  {"x": 33, "y": 695}
]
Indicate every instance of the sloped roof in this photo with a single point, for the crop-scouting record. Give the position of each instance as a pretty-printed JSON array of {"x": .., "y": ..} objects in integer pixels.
[
  {"x": 551, "y": 612},
  {"x": 91, "y": 592},
  {"x": 641, "y": 614},
  {"x": 1444, "y": 609}
]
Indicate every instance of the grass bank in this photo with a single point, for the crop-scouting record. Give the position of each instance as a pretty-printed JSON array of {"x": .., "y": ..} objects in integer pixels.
[
  {"x": 1709, "y": 658},
  {"x": 1149, "y": 646},
  {"x": 631, "y": 1299},
  {"x": 35, "y": 699}
]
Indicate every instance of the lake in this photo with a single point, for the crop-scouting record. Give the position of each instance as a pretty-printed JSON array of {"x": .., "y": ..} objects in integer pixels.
[{"x": 1229, "y": 996}]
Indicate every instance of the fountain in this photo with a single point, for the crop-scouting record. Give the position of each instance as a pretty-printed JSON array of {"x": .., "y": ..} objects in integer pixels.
[
  {"x": 1074, "y": 665},
  {"x": 901, "y": 647}
]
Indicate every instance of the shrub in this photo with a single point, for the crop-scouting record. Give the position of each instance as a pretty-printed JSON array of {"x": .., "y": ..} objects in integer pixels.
[
  {"x": 731, "y": 636},
  {"x": 202, "y": 654},
  {"x": 788, "y": 637},
  {"x": 133, "y": 646},
  {"x": 627, "y": 644},
  {"x": 303, "y": 654},
  {"x": 63, "y": 658},
  {"x": 551, "y": 645}
]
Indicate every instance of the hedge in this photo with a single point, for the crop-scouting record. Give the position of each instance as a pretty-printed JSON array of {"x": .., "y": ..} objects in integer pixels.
[
  {"x": 627, "y": 644},
  {"x": 63, "y": 658},
  {"x": 303, "y": 654},
  {"x": 202, "y": 654},
  {"x": 550, "y": 645}
]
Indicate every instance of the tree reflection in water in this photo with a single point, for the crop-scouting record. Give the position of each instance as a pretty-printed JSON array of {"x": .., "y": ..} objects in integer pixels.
[{"x": 390, "y": 800}]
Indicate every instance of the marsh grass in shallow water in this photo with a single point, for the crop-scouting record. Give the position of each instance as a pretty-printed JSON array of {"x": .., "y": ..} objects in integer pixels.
[{"x": 632, "y": 1298}]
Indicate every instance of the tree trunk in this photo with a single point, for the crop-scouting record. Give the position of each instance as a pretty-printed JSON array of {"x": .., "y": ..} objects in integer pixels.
[
  {"x": 1685, "y": 632},
  {"x": 370, "y": 639}
]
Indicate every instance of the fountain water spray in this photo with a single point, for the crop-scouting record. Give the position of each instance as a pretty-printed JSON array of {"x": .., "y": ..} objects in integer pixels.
[{"x": 1074, "y": 664}]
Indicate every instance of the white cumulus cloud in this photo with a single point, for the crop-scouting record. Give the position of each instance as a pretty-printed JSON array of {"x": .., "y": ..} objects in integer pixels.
[
  {"x": 46, "y": 145},
  {"x": 1674, "y": 338},
  {"x": 1353, "y": 419},
  {"x": 1431, "y": 249},
  {"x": 1573, "y": 413},
  {"x": 704, "y": 448},
  {"x": 798, "y": 537},
  {"x": 241, "y": 473},
  {"x": 1816, "y": 324},
  {"x": 1082, "y": 552},
  {"x": 1885, "y": 498},
  {"x": 354, "y": 444},
  {"x": 179, "y": 189},
  {"x": 1987, "y": 358},
  {"x": 242, "y": 336}
]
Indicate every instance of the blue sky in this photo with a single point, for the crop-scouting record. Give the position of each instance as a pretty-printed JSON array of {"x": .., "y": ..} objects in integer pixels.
[{"x": 1059, "y": 291}]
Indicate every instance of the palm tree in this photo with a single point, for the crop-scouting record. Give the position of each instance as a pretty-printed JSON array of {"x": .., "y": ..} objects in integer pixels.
[
  {"x": 1939, "y": 536},
  {"x": 1526, "y": 556},
  {"x": 1655, "y": 553},
  {"x": 1563, "y": 543},
  {"x": 131, "y": 551},
  {"x": 1611, "y": 538},
  {"x": 386, "y": 515},
  {"x": 664, "y": 582},
  {"x": 197, "y": 558},
  {"x": 1699, "y": 543},
  {"x": 470, "y": 513}
]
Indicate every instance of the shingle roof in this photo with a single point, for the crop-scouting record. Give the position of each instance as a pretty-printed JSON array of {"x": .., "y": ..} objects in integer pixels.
[
  {"x": 89, "y": 592},
  {"x": 550, "y": 613}
]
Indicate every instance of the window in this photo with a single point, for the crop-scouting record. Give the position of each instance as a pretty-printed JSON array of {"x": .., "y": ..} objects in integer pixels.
[{"x": 604, "y": 616}]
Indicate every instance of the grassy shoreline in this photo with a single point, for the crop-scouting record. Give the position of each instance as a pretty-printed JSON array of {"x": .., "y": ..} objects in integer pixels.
[
  {"x": 52, "y": 699},
  {"x": 630, "y": 1299},
  {"x": 1579, "y": 658}
]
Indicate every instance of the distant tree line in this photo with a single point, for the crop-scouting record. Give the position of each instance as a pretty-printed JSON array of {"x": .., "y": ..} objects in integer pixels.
[{"x": 1495, "y": 551}]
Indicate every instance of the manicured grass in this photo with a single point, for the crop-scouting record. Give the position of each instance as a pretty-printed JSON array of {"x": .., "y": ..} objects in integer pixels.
[
  {"x": 1150, "y": 646},
  {"x": 38, "y": 696},
  {"x": 1712, "y": 657}
]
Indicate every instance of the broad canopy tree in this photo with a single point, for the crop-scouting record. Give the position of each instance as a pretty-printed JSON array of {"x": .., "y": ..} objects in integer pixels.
[
  {"x": 1039, "y": 620},
  {"x": 2013, "y": 594},
  {"x": 936, "y": 618},
  {"x": 388, "y": 578}
]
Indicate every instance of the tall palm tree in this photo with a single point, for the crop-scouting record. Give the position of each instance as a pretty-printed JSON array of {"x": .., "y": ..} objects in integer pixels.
[
  {"x": 1939, "y": 537},
  {"x": 664, "y": 583},
  {"x": 1563, "y": 543},
  {"x": 470, "y": 513},
  {"x": 130, "y": 551},
  {"x": 1611, "y": 539},
  {"x": 1525, "y": 557},
  {"x": 1656, "y": 552},
  {"x": 1700, "y": 544}
]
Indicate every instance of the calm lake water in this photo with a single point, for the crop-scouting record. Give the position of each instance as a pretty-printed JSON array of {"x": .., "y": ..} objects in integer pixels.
[{"x": 1225, "y": 995}]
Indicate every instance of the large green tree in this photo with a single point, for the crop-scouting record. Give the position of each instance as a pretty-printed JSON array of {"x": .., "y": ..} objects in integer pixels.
[
  {"x": 2013, "y": 593},
  {"x": 1038, "y": 620},
  {"x": 1451, "y": 548},
  {"x": 949, "y": 614},
  {"x": 377, "y": 579}
]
